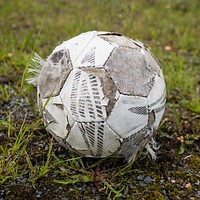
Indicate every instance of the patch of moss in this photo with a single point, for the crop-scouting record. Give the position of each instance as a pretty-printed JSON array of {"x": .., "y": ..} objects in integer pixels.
[{"x": 194, "y": 162}]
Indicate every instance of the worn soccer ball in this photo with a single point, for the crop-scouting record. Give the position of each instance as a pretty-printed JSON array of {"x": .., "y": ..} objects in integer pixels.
[{"x": 101, "y": 94}]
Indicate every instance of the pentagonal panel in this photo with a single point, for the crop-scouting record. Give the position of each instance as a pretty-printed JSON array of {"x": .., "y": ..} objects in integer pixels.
[{"x": 129, "y": 115}]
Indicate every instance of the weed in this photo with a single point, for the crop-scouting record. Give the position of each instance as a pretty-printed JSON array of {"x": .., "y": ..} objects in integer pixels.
[
  {"x": 5, "y": 93},
  {"x": 11, "y": 154},
  {"x": 74, "y": 171},
  {"x": 110, "y": 189}
]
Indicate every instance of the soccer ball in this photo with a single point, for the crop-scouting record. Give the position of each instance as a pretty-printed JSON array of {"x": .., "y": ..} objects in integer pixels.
[{"x": 101, "y": 94}]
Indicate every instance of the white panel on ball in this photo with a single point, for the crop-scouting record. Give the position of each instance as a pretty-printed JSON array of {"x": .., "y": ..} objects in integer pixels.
[
  {"x": 93, "y": 139},
  {"x": 83, "y": 97},
  {"x": 55, "y": 116},
  {"x": 157, "y": 95},
  {"x": 76, "y": 45},
  {"x": 87, "y": 50},
  {"x": 94, "y": 54},
  {"x": 129, "y": 115},
  {"x": 157, "y": 99},
  {"x": 77, "y": 141},
  {"x": 111, "y": 141},
  {"x": 158, "y": 116}
]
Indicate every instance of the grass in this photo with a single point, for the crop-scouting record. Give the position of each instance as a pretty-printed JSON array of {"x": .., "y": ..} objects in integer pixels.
[{"x": 34, "y": 166}]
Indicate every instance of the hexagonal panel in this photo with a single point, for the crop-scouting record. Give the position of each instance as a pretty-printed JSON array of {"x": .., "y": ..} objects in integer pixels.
[
  {"x": 128, "y": 70},
  {"x": 129, "y": 115},
  {"x": 83, "y": 97}
]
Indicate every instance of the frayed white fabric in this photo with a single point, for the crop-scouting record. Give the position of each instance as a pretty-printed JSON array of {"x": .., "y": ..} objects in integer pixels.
[
  {"x": 35, "y": 69},
  {"x": 151, "y": 147}
]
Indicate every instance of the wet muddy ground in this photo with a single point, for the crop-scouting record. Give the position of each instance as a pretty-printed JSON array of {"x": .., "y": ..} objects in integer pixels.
[{"x": 174, "y": 175}]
